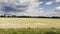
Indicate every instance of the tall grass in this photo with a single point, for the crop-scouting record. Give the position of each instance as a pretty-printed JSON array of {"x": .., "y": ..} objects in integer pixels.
[{"x": 30, "y": 31}]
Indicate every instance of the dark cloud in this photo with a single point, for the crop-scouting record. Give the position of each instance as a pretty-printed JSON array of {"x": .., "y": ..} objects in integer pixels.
[
  {"x": 43, "y": 0},
  {"x": 8, "y": 8},
  {"x": 21, "y": 6},
  {"x": 12, "y": 9}
]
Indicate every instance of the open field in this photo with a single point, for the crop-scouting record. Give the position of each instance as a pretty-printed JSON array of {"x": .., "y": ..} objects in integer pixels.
[{"x": 29, "y": 22}]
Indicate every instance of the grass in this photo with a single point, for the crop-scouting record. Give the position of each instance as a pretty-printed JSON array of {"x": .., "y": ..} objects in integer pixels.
[
  {"x": 29, "y": 26},
  {"x": 30, "y": 31}
]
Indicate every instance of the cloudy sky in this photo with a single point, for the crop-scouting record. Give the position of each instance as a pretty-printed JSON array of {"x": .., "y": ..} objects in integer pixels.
[{"x": 30, "y": 7}]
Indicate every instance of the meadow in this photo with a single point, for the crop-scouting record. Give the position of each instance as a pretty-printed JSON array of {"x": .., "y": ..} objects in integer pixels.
[
  {"x": 29, "y": 26},
  {"x": 29, "y": 22},
  {"x": 30, "y": 31}
]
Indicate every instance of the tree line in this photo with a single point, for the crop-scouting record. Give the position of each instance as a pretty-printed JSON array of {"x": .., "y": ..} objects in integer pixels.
[{"x": 29, "y": 16}]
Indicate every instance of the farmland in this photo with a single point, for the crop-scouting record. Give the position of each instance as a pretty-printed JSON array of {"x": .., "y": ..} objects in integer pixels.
[
  {"x": 29, "y": 26},
  {"x": 29, "y": 22}
]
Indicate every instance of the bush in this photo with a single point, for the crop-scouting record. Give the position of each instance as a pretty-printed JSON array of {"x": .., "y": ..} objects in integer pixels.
[
  {"x": 50, "y": 32},
  {"x": 12, "y": 32},
  {"x": 53, "y": 28}
]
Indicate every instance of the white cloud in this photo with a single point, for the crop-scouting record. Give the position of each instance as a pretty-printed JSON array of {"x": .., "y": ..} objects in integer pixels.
[
  {"x": 32, "y": 8},
  {"x": 56, "y": 12},
  {"x": 1, "y": 12},
  {"x": 58, "y": 8},
  {"x": 57, "y": 0},
  {"x": 48, "y": 3},
  {"x": 40, "y": 2}
]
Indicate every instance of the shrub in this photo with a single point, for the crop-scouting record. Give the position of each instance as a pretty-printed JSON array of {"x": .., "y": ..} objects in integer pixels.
[{"x": 50, "y": 32}]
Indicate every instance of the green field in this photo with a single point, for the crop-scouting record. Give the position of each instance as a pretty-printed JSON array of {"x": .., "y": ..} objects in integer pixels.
[{"x": 30, "y": 31}]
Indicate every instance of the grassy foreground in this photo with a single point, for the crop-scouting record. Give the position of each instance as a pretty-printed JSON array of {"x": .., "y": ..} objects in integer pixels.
[{"x": 30, "y": 31}]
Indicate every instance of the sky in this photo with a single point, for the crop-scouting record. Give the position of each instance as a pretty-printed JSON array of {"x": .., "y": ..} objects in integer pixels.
[{"x": 30, "y": 7}]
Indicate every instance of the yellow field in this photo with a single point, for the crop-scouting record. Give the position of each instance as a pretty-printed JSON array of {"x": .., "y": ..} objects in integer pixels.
[{"x": 29, "y": 22}]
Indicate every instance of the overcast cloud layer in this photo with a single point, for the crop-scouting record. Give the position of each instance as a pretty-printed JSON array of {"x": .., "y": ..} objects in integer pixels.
[{"x": 30, "y": 7}]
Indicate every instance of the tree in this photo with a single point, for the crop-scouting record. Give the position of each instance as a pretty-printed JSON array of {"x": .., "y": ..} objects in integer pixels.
[{"x": 13, "y": 15}]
